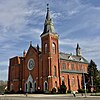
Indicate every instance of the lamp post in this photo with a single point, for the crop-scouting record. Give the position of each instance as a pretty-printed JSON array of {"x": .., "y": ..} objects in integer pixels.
[
  {"x": 92, "y": 84},
  {"x": 84, "y": 84}
]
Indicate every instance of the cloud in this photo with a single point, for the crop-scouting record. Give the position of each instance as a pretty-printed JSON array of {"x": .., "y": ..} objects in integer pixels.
[
  {"x": 12, "y": 13},
  {"x": 4, "y": 76},
  {"x": 3, "y": 63},
  {"x": 15, "y": 17},
  {"x": 88, "y": 19},
  {"x": 33, "y": 34}
]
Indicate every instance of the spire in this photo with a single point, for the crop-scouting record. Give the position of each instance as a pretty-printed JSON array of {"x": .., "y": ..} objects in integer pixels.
[
  {"x": 38, "y": 47},
  {"x": 78, "y": 47},
  {"x": 30, "y": 43},
  {"x": 48, "y": 25},
  {"x": 78, "y": 50},
  {"x": 24, "y": 53},
  {"x": 48, "y": 16}
]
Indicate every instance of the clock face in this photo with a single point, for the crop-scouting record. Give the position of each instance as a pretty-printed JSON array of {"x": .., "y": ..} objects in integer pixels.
[{"x": 31, "y": 64}]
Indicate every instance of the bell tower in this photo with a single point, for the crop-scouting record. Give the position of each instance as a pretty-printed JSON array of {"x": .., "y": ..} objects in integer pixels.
[{"x": 50, "y": 54}]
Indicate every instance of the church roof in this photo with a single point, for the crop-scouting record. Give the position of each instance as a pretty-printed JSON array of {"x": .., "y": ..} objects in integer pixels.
[{"x": 70, "y": 57}]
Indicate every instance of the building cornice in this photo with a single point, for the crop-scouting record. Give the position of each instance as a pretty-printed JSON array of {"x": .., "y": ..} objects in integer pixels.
[{"x": 73, "y": 71}]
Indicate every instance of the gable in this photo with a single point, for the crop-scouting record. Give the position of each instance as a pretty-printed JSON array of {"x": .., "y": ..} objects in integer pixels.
[{"x": 31, "y": 51}]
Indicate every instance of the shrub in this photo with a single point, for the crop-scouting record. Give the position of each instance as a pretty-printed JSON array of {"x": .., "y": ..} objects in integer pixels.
[
  {"x": 98, "y": 89},
  {"x": 80, "y": 90},
  {"x": 53, "y": 90},
  {"x": 58, "y": 90},
  {"x": 20, "y": 92},
  {"x": 69, "y": 91},
  {"x": 47, "y": 92},
  {"x": 63, "y": 88}
]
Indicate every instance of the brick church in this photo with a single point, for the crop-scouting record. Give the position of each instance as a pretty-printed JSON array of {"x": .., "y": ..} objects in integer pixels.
[{"x": 46, "y": 68}]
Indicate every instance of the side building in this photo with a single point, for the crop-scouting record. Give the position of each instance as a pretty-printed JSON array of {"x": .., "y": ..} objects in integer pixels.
[{"x": 46, "y": 68}]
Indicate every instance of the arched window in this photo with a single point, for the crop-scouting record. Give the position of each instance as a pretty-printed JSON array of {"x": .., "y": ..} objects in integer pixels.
[
  {"x": 11, "y": 87},
  {"x": 46, "y": 48},
  {"x": 55, "y": 74},
  {"x": 45, "y": 85},
  {"x": 26, "y": 87},
  {"x": 34, "y": 86},
  {"x": 53, "y": 48},
  {"x": 56, "y": 84},
  {"x": 73, "y": 81},
  {"x": 63, "y": 65},
  {"x": 72, "y": 66},
  {"x": 62, "y": 78},
  {"x": 29, "y": 86},
  {"x": 80, "y": 67}
]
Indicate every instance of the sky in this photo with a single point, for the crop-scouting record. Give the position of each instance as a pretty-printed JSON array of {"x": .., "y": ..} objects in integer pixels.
[{"x": 75, "y": 21}]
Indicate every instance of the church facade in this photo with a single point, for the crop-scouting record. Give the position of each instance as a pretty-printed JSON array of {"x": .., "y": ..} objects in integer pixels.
[{"x": 46, "y": 68}]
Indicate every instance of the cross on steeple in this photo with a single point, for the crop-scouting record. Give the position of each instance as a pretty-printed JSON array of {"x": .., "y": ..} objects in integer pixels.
[
  {"x": 47, "y": 6},
  {"x": 48, "y": 17}
]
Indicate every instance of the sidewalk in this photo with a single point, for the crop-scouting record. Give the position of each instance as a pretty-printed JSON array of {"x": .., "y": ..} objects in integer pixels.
[{"x": 49, "y": 95}]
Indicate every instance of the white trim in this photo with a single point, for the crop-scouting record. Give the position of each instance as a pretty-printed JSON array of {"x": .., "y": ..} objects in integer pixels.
[
  {"x": 50, "y": 34},
  {"x": 49, "y": 76},
  {"x": 81, "y": 60},
  {"x": 29, "y": 62},
  {"x": 70, "y": 57},
  {"x": 30, "y": 79}
]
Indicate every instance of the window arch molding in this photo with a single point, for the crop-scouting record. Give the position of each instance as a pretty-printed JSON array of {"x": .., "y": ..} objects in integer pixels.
[
  {"x": 53, "y": 48},
  {"x": 45, "y": 48}
]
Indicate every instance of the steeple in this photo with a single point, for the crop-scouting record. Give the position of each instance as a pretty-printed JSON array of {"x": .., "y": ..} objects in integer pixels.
[
  {"x": 78, "y": 50},
  {"x": 48, "y": 16},
  {"x": 48, "y": 25}
]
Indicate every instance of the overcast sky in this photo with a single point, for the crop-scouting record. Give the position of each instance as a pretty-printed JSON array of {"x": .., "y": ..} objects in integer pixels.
[{"x": 75, "y": 21}]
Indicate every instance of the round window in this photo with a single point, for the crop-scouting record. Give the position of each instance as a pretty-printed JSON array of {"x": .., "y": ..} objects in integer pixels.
[{"x": 31, "y": 64}]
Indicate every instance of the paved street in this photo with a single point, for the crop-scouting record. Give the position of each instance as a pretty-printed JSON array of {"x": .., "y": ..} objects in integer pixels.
[{"x": 47, "y": 97}]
